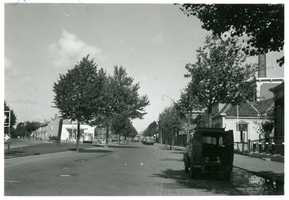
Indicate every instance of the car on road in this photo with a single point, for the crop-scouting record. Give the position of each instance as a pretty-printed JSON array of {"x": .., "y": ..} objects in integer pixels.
[
  {"x": 87, "y": 138},
  {"x": 136, "y": 139},
  {"x": 149, "y": 140},
  {"x": 210, "y": 150}
]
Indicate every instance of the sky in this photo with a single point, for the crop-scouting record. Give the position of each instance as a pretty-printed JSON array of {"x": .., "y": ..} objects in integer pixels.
[{"x": 153, "y": 42}]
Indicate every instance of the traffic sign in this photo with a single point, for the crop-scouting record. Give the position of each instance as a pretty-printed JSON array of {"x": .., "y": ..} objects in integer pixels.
[
  {"x": 6, "y": 138},
  {"x": 6, "y": 118}
]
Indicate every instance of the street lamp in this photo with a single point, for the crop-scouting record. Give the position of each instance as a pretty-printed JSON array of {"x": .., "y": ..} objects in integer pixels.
[{"x": 169, "y": 98}]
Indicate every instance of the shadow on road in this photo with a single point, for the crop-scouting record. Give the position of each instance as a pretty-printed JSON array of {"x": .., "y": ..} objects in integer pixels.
[
  {"x": 90, "y": 150},
  {"x": 211, "y": 183},
  {"x": 118, "y": 146}
]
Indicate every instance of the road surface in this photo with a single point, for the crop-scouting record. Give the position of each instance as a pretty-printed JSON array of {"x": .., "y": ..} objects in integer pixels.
[{"x": 130, "y": 169}]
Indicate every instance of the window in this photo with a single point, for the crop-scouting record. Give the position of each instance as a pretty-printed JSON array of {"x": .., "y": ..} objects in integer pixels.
[
  {"x": 209, "y": 140},
  {"x": 241, "y": 127},
  {"x": 51, "y": 128}
]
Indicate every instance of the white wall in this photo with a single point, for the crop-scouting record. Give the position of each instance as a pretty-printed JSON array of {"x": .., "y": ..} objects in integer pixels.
[
  {"x": 230, "y": 124},
  {"x": 65, "y": 133}
]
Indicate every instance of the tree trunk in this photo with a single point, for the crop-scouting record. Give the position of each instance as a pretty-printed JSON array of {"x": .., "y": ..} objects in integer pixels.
[
  {"x": 77, "y": 136},
  {"x": 210, "y": 116},
  {"x": 107, "y": 135}
]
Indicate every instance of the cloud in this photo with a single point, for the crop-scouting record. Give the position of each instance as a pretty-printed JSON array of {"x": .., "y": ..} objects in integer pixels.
[
  {"x": 10, "y": 71},
  {"x": 69, "y": 50},
  {"x": 8, "y": 64},
  {"x": 159, "y": 39}
]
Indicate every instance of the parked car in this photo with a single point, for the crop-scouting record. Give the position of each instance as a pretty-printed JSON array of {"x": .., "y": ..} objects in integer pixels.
[
  {"x": 210, "y": 150},
  {"x": 87, "y": 138}
]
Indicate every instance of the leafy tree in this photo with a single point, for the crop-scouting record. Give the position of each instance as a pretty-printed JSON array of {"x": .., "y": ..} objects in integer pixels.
[
  {"x": 31, "y": 126},
  {"x": 121, "y": 125},
  {"x": 263, "y": 24},
  {"x": 78, "y": 91},
  {"x": 10, "y": 118},
  {"x": 13, "y": 117},
  {"x": 266, "y": 126},
  {"x": 120, "y": 97},
  {"x": 220, "y": 74},
  {"x": 170, "y": 122},
  {"x": 151, "y": 130},
  {"x": 20, "y": 130},
  {"x": 185, "y": 106}
]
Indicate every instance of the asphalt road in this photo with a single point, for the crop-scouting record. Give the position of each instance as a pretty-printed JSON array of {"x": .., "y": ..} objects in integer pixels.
[{"x": 130, "y": 169}]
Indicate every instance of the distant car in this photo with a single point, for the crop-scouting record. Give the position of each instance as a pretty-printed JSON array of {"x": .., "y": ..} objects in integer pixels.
[
  {"x": 149, "y": 140},
  {"x": 136, "y": 139},
  {"x": 143, "y": 140},
  {"x": 87, "y": 138}
]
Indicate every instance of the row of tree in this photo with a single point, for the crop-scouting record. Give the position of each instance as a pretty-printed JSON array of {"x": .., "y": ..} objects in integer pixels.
[
  {"x": 22, "y": 129},
  {"x": 90, "y": 95},
  {"x": 221, "y": 74}
]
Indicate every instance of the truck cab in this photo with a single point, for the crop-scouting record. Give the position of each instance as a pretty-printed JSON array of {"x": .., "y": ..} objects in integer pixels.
[{"x": 210, "y": 150}]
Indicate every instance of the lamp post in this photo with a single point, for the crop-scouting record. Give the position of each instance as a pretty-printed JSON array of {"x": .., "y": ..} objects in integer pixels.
[{"x": 169, "y": 98}]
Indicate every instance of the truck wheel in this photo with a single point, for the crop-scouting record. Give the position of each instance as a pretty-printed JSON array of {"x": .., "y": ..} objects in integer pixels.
[
  {"x": 186, "y": 169},
  {"x": 227, "y": 175},
  {"x": 192, "y": 173}
]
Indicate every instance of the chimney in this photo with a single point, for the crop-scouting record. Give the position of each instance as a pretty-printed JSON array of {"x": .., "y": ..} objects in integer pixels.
[{"x": 262, "y": 65}]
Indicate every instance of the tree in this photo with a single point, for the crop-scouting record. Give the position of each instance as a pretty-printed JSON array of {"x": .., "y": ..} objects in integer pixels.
[
  {"x": 263, "y": 24},
  {"x": 13, "y": 117},
  {"x": 121, "y": 125},
  {"x": 78, "y": 91},
  {"x": 120, "y": 97},
  {"x": 185, "y": 106},
  {"x": 151, "y": 130},
  {"x": 220, "y": 74},
  {"x": 170, "y": 123},
  {"x": 10, "y": 119},
  {"x": 20, "y": 130},
  {"x": 30, "y": 126}
]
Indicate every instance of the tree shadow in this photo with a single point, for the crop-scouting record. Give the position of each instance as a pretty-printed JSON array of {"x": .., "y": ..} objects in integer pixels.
[
  {"x": 171, "y": 159},
  {"x": 90, "y": 150},
  {"x": 119, "y": 146},
  {"x": 212, "y": 183}
]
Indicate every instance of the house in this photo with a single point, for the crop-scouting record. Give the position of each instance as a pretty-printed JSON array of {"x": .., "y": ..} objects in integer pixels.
[
  {"x": 42, "y": 131},
  {"x": 69, "y": 130},
  {"x": 243, "y": 119}
]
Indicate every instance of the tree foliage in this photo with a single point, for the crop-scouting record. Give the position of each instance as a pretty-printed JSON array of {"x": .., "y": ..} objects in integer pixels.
[
  {"x": 91, "y": 96},
  {"x": 220, "y": 74},
  {"x": 13, "y": 117},
  {"x": 187, "y": 103},
  {"x": 31, "y": 126},
  {"x": 263, "y": 24},
  {"x": 122, "y": 126},
  {"x": 120, "y": 98},
  {"x": 151, "y": 130},
  {"x": 20, "y": 130},
  {"x": 78, "y": 91}
]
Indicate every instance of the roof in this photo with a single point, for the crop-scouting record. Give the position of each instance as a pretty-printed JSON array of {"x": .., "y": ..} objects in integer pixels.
[
  {"x": 244, "y": 109},
  {"x": 263, "y": 106},
  {"x": 250, "y": 109}
]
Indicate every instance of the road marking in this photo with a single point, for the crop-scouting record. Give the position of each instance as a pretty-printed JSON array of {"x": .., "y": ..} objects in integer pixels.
[
  {"x": 12, "y": 181},
  {"x": 65, "y": 175}
]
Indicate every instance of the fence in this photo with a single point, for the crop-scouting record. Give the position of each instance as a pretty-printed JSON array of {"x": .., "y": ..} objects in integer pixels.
[{"x": 275, "y": 145}]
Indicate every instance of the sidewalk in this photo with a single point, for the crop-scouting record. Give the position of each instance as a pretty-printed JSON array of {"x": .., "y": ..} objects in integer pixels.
[{"x": 266, "y": 169}]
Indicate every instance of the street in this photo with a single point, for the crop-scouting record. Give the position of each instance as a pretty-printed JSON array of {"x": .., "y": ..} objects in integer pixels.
[{"x": 131, "y": 169}]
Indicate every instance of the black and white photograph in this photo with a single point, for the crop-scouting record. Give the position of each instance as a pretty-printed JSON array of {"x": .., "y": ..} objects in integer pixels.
[{"x": 143, "y": 99}]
